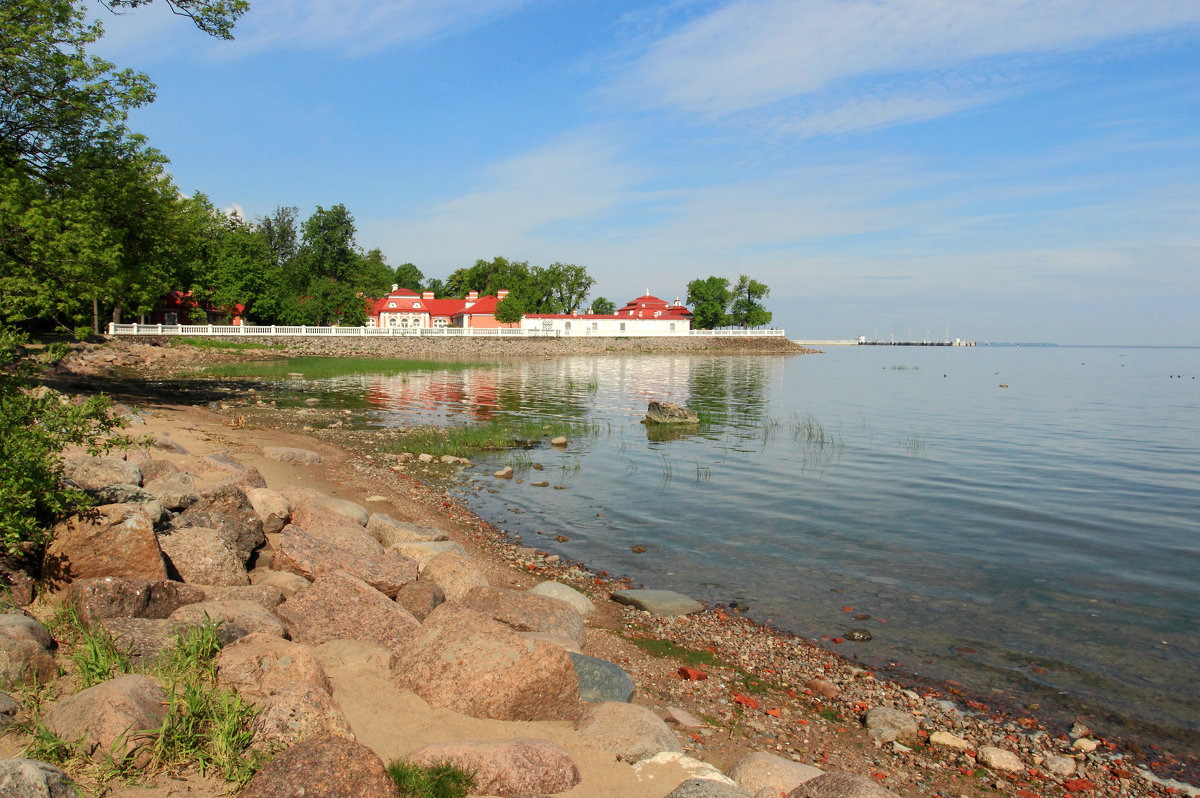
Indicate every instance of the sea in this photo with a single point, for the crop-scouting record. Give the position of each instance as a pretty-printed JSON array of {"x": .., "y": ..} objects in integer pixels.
[{"x": 1023, "y": 521}]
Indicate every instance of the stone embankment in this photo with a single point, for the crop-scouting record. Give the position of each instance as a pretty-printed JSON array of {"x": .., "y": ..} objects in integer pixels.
[{"x": 151, "y": 351}]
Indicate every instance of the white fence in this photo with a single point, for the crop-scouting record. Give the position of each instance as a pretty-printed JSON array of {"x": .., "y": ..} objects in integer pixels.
[{"x": 411, "y": 332}]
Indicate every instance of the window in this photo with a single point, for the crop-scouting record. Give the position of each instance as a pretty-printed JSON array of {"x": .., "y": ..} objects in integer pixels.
[
  {"x": 595, "y": 325},
  {"x": 622, "y": 326},
  {"x": 441, "y": 322},
  {"x": 170, "y": 317},
  {"x": 403, "y": 322},
  {"x": 416, "y": 304},
  {"x": 567, "y": 326},
  {"x": 391, "y": 304},
  {"x": 672, "y": 326},
  {"x": 391, "y": 321}
]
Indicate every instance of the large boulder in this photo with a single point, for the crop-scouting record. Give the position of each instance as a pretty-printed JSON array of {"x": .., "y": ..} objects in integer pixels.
[
  {"x": 295, "y": 711},
  {"x": 272, "y": 509},
  {"x": 709, "y": 788},
  {"x": 317, "y": 509},
  {"x": 420, "y": 598},
  {"x": 455, "y": 574},
  {"x": 557, "y": 590},
  {"x": 759, "y": 770},
  {"x": 226, "y": 509},
  {"x": 109, "y": 597},
  {"x": 96, "y": 473},
  {"x": 111, "y": 540},
  {"x": 669, "y": 413},
  {"x": 425, "y": 550},
  {"x": 201, "y": 557},
  {"x": 526, "y": 612},
  {"x": 304, "y": 554},
  {"x": 464, "y": 661},
  {"x": 388, "y": 531},
  {"x": 658, "y": 602},
  {"x": 360, "y": 656},
  {"x": 143, "y": 640},
  {"x": 31, "y": 778},
  {"x": 323, "y": 767},
  {"x": 340, "y": 606},
  {"x": 236, "y": 618},
  {"x": 265, "y": 595},
  {"x": 259, "y": 663},
  {"x": 601, "y": 680},
  {"x": 112, "y": 719},
  {"x": 627, "y": 731},
  {"x": 505, "y": 767},
  {"x": 10, "y": 708},
  {"x": 22, "y": 627},
  {"x": 288, "y": 584},
  {"x": 841, "y": 785},
  {"x": 176, "y": 491},
  {"x": 24, "y": 663}
]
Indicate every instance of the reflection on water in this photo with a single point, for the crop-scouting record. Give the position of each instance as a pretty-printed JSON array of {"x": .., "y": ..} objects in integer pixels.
[{"x": 1050, "y": 526}]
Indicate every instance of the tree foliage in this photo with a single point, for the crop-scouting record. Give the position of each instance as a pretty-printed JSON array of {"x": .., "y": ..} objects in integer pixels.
[
  {"x": 747, "y": 309},
  {"x": 568, "y": 285},
  {"x": 509, "y": 310},
  {"x": 35, "y": 425},
  {"x": 710, "y": 300},
  {"x": 407, "y": 275},
  {"x": 214, "y": 17},
  {"x": 605, "y": 307}
]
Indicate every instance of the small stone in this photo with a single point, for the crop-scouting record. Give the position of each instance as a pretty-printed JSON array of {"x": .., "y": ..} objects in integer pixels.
[
  {"x": 560, "y": 440},
  {"x": 948, "y": 740},
  {"x": 1085, "y": 745},
  {"x": 857, "y": 635},
  {"x": 601, "y": 680},
  {"x": 504, "y": 473},
  {"x": 998, "y": 759},
  {"x": 1062, "y": 766},
  {"x": 638, "y": 549},
  {"x": 658, "y": 602}
]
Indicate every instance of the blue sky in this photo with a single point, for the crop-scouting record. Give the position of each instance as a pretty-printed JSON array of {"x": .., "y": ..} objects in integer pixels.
[{"x": 1004, "y": 169}]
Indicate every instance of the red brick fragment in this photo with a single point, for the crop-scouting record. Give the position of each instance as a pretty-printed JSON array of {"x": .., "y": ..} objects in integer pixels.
[
  {"x": 690, "y": 674},
  {"x": 745, "y": 701},
  {"x": 1078, "y": 785}
]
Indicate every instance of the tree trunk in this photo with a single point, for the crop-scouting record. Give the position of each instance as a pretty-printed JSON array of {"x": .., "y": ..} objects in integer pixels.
[
  {"x": 95, "y": 315},
  {"x": 117, "y": 313}
]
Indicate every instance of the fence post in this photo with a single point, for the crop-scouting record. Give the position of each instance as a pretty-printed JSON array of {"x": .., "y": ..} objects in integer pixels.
[
  {"x": 210, "y": 329},
  {"x": 304, "y": 329},
  {"x": 160, "y": 329},
  {"x": 272, "y": 329},
  {"x": 135, "y": 328}
]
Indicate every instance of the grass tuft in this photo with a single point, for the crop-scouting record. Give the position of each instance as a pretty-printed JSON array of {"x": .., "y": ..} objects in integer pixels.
[{"x": 442, "y": 780}]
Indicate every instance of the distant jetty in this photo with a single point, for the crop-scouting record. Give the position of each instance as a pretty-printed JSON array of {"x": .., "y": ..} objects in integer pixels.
[{"x": 862, "y": 341}]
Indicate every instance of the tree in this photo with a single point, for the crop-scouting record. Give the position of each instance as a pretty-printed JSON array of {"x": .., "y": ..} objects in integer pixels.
[
  {"x": 567, "y": 283},
  {"x": 34, "y": 428},
  {"x": 329, "y": 249},
  {"x": 279, "y": 231},
  {"x": 509, "y": 310},
  {"x": 437, "y": 287},
  {"x": 747, "y": 309},
  {"x": 605, "y": 307},
  {"x": 407, "y": 275},
  {"x": 374, "y": 276},
  {"x": 214, "y": 17},
  {"x": 710, "y": 300}
]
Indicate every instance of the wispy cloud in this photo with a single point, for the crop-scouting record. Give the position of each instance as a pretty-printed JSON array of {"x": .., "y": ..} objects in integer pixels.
[
  {"x": 750, "y": 54},
  {"x": 347, "y": 27}
]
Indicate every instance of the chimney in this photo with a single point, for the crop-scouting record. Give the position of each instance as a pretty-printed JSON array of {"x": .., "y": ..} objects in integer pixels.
[
  {"x": 395, "y": 288},
  {"x": 502, "y": 293},
  {"x": 426, "y": 295},
  {"x": 472, "y": 295}
]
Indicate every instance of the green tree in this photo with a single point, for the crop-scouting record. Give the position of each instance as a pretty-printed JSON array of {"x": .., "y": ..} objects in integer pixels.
[
  {"x": 747, "y": 309},
  {"x": 34, "y": 428},
  {"x": 374, "y": 276},
  {"x": 605, "y": 307},
  {"x": 328, "y": 249},
  {"x": 567, "y": 284},
  {"x": 437, "y": 287},
  {"x": 279, "y": 231},
  {"x": 237, "y": 269},
  {"x": 407, "y": 275},
  {"x": 710, "y": 300},
  {"x": 214, "y": 17},
  {"x": 509, "y": 310}
]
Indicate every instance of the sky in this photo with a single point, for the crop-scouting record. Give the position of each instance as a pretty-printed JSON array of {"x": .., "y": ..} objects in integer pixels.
[{"x": 993, "y": 170}]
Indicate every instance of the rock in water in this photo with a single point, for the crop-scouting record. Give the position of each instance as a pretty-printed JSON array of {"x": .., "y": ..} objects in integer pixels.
[{"x": 669, "y": 413}]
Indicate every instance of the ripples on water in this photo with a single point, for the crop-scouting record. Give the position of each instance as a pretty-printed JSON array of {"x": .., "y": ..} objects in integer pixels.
[{"x": 1050, "y": 525}]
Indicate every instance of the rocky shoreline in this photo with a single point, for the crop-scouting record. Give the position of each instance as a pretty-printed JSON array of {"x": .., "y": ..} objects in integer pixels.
[{"x": 703, "y": 694}]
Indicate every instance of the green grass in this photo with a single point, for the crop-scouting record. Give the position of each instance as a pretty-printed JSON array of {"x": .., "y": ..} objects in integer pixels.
[
  {"x": 442, "y": 780},
  {"x": 492, "y": 436},
  {"x": 669, "y": 649},
  {"x": 220, "y": 343},
  {"x": 93, "y": 649}
]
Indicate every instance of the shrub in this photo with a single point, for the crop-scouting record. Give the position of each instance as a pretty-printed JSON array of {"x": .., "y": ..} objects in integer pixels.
[
  {"x": 35, "y": 425},
  {"x": 442, "y": 780}
]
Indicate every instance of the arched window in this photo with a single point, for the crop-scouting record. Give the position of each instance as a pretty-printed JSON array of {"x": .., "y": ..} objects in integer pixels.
[
  {"x": 391, "y": 321},
  {"x": 567, "y": 326}
]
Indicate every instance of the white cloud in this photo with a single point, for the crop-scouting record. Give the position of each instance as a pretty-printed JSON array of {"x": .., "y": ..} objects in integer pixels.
[
  {"x": 351, "y": 27},
  {"x": 753, "y": 53},
  {"x": 362, "y": 26}
]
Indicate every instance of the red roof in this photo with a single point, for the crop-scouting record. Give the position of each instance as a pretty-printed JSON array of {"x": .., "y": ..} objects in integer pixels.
[{"x": 484, "y": 305}]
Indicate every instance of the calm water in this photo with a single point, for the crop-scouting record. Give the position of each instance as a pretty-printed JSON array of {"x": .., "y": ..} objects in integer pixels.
[{"x": 1040, "y": 541}]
